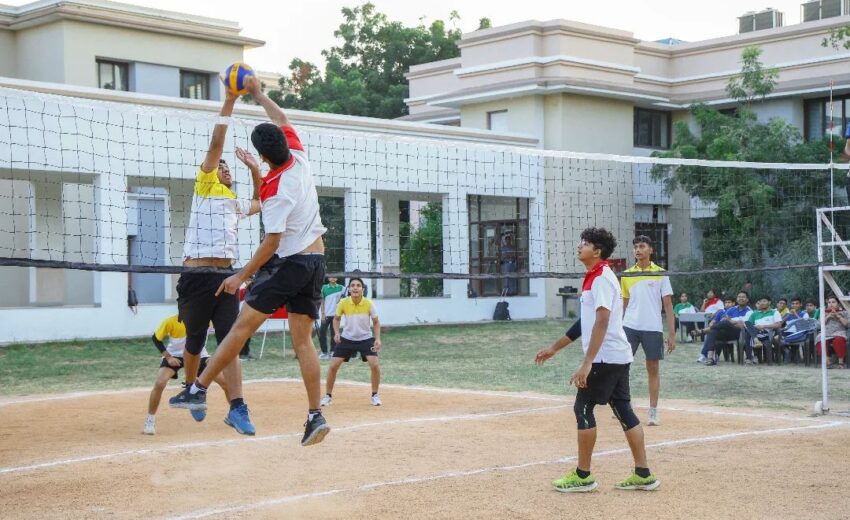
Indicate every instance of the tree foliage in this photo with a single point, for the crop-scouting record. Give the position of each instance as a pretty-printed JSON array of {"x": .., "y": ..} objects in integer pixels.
[
  {"x": 364, "y": 74},
  {"x": 761, "y": 217},
  {"x": 838, "y": 38},
  {"x": 422, "y": 252}
]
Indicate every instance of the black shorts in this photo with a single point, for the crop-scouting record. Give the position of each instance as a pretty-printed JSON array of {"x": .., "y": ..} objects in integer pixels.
[
  {"x": 295, "y": 281},
  {"x": 347, "y": 348},
  {"x": 164, "y": 364},
  {"x": 606, "y": 381},
  {"x": 197, "y": 306}
]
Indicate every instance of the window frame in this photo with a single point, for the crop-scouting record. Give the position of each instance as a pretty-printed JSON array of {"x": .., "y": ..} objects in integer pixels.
[
  {"x": 667, "y": 121},
  {"x": 199, "y": 74},
  {"x": 522, "y": 256},
  {"x": 843, "y": 99},
  {"x": 123, "y": 65},
  {"x": 490, "y": 119}
]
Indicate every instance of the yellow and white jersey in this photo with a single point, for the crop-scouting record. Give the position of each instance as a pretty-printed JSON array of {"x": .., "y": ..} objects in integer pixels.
[
  {"x": 215, "y": 216},
  {"x": 644, "y": 294},
  {"x": 176, "y": 333},
  {"x": 357, "y": 318}
]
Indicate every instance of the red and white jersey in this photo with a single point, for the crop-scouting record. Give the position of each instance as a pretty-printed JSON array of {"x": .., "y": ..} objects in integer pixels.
[
  {"x": 289, "y": 200},
  {"x": 601, "y": 289}
]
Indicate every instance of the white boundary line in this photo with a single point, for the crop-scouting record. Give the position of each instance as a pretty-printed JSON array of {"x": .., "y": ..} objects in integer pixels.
[
  {"x": 264, "y": 438},
  {"x": 428, "y": 389},
  {"x": 227, "y": 509}
]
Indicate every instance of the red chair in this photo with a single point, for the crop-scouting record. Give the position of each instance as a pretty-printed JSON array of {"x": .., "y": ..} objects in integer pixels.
[{"x": 279, "y": 315}]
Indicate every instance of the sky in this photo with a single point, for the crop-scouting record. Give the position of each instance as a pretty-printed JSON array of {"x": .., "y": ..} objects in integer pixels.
[{"x": 302, "y": 29}]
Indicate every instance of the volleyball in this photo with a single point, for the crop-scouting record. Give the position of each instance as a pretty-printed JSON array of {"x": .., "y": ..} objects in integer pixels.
[{"x": 234, "y": 77}]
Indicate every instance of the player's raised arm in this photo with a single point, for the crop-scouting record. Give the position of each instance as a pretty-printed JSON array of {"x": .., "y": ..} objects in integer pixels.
[
  {"x": 218, "y": 136},
  {"x": 275, "y": 113}
]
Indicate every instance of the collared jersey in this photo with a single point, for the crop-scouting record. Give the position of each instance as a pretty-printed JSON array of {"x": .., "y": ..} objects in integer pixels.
[
  {"x": 601, "y": 289},
  {"x": 330, "y": 302},
  {"x": 736, "y": 313},
  {"x": 174, "y": 329},
  {"x": 215, "y": 216},
  {"x": 289, "y": 200},
  {"x": 644, "y": 294},
  {"x": 357, "y": 318},
  {"x": 768, "y": 317}
]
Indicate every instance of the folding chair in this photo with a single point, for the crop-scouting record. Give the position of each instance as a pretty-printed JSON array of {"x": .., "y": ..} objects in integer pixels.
[
  {"x": 800, "y": 335},
  {"x": 282, "y": 316}
]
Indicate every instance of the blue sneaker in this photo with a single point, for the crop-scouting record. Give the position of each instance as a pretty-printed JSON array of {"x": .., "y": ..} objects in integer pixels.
[
  {"x": 198, "y": 415},
  {"x": 184, "y": 399},
  {"x": 238, "y": 419}
]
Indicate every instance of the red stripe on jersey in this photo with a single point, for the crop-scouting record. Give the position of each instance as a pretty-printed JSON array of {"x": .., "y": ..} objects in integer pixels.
[
  {"x": 592, "y": 275},
  {"x": 292, "y": 138},
  {"x": 270, "y": 183}
]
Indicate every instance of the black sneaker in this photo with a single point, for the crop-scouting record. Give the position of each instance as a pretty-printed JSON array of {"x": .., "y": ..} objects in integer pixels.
[
  {"x": 315, "y": 430},
  {"x": 184, "y": 399},
  {"x": 710, "y": 362}
]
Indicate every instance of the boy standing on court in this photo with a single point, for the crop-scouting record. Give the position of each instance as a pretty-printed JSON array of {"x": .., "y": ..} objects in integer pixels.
[
  {"x": 643, "y": 297},
  {"x": 603, "y": 376}
]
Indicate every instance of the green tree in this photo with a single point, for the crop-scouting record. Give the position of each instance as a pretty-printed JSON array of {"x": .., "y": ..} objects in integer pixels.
[
  {"x": 422, "y": 252},
  {"x": 761, "y": 217},
  {"x": 364, "y": 74},
  {"x": 838, "y": 38}
]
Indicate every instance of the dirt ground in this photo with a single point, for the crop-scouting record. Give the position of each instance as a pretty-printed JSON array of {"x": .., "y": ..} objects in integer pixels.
[{"x": 426, "y": 453}]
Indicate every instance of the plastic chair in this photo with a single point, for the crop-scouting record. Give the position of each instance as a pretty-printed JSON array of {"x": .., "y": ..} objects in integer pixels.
[{"x": 279, "y": 315}]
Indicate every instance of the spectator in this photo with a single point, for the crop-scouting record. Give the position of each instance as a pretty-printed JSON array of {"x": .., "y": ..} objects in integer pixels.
[
  {"x": 728, "y": 303},
  {"x": 812, "y": 310},
  {"x": 760, "y": 324},
  {"x": 835, "y": 332},
  {"x": 795, "y": 312},
  {"x": 782, "y": 307},
  {"x": 711, "y": 303},
  {"x": 729, "y": 329},
  {"x": 685, "y": 306},
  {"x": 331, "y": 294}
]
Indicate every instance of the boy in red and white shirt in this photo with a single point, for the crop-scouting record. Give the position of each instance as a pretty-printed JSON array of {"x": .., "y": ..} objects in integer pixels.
[
  {"x": 289, "y": 263},
  {"x": 603, "y": 377}
]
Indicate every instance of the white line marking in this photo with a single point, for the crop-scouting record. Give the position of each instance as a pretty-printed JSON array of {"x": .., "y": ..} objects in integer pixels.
[
  {"x": 466, "y": 473},
  {"x": 265, "y": 438},
  {"x": 431, "y": 389}
]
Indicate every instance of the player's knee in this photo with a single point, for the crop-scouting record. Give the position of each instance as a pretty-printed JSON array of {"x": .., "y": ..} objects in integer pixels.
[
  {"x": 625, "y": 414},
  {"x": 195, "y": 343},
  {"x": 583, "y": 409}
]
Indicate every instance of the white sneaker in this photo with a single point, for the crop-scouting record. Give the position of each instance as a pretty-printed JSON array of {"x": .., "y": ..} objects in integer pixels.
[
  {"x": 376, "y": 401},
  {"x": 701, "y": 359},
  {"x": 326, "y": 400},
  {"x": 150, "y": 425},
  {"x": 653, "y": 417},
  {"x": 324, "y": 356}
]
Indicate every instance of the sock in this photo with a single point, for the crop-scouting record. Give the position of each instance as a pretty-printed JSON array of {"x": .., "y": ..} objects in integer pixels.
[
  {"x": 313, "y": 412},
  {"x": 582, "y": 473},
  {"x": 197, "y": 387},
  {"x": 653, "y": 409},
  {"x": 236, "y": 403},
  {"x": 374, "y": 394},
  {"x": 151, "y": 416},
  {"x": 642, "y": 472},
  {"x": 329, "y": 395}
]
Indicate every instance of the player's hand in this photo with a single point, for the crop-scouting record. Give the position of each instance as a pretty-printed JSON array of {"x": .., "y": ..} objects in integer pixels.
[
  {"x": 337, "y": 339},
  {"x": 377, "y": 346},
  {"x": 247, "y": 158},
  {"x": 231, "y": 285},
  {"x": 173, "y": 362},
  {"x": 579, "y": 379},
  {"x": 671, "y": 344},
  {"x": 543, "y": 356},
  {"x": 229, "y": 96},
  {"x": 252, "y": 85}
]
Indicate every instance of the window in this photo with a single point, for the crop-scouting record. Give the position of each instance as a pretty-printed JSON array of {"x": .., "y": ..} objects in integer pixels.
[
  {"x": 823, "y": 117},
  {"x": 498, "y": 244},
  {"x": 112, "y": 75},
  {"x": 194, "y": 85},
  {"x": 332, "y": 211},
  {"x": 652, "y": 128},
  {"x": 497, "y": 121}
]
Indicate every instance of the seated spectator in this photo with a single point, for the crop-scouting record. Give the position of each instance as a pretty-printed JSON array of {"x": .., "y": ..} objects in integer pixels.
[
  {"x": 812, "y": 310},
  {"x": 728, "y": 303},
  {"x": 711, "y": 303},
  {"x": 782, "y": 307},
  {"x": 795, "y": 312},
  {"x": 763, "y": 326},
  {"x": 835, "y": 332},
  {"x": 729, "y": 329},
  {"x": 684, "y": 306}
]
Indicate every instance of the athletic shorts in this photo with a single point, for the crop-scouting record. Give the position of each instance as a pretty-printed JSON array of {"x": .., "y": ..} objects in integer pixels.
[
  {"x": 295, "y": 281},
  {"x": 347, "y": 349},
  {"x": 606, "y": 381},
  {"x": 651, "y": 341},
  {"x": 197, "y": 306},
  {"x": 164, "y": 364}
]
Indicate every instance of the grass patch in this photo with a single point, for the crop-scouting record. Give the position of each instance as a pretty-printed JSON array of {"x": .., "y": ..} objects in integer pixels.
[{"x": 487, "y": 356}]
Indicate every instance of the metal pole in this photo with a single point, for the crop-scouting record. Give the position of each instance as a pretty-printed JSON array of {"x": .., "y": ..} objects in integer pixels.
[{"x": 824, "y": 351}]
